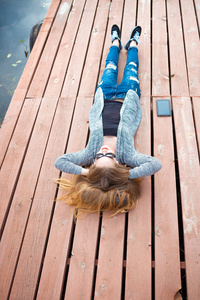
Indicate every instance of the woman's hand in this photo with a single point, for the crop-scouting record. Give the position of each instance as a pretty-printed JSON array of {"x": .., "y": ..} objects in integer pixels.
[{"x": 84, "y": 172}]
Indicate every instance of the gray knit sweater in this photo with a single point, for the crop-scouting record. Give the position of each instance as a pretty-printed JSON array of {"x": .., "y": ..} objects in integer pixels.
[{"x": 130, "y": 117}]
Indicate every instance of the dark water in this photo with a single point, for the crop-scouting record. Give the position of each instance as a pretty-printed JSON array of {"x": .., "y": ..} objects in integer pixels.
[{"x": 17, "y": 17}]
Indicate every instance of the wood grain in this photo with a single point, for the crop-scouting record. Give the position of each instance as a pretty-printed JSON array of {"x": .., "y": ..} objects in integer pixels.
[
  {"x": 167, "y": 261},
  {"x": 189, "y": 173},
  {"x": 178, "y": 68},
  {"x": 192, "y": 45}
]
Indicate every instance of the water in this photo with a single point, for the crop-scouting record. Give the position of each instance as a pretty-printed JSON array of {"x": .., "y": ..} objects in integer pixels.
[{"x": 17, "y": 17}]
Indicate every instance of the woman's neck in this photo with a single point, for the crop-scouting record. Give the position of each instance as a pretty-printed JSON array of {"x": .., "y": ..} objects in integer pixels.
[{"x": 111, "y": 141}]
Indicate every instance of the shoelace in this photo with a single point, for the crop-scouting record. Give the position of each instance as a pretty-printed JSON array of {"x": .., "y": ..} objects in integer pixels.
[
  {"x": 136, "y": 37},
  {"x": 115, "y": 35}
]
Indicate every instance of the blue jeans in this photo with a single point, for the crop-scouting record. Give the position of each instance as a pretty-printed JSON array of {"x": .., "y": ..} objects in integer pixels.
[{"x": 130, "y": 80}]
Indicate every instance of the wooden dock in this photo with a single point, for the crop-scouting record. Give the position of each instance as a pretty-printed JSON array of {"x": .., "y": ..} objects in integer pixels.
[{"x": 153, "y": 252}]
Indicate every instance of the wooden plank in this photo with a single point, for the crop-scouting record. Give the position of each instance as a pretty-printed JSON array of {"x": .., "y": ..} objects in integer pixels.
[
  {"x": 144, "y": 9},
  {"x": 179, "y": 82},
  {"x": 52, "y": 9},
  {"x": 192, "y": 44},
  {"x": 31, "y": 265},
  {"x": 18, "y": 98},
  {"x": 35, "y": 55},
  {"x": 115, "y": 17},
  {"x": 55, "y": 262},
  {"x": 167, "y": 260},
  {"x": 189, "y": 173},
  {"x": 144, "y": 46},
  {"x": 160, "y": 72},
  {"x": 9, "y": 122},
  {"x": 93, "y": 60},
  {"x": 36, "y": 233},
  {"x": 24, "y": 193},
  {"x": 15, "y": 155},
  {"x": 139, "y": 220},
  {"x": 110, "y": 262},
  {"x": 90, "y": 57},
  {"x": 81, "y": 270},
  {"x": 61, "y": 228},
  {"x": 53, "y": 270},
  {"x": 41, "y": 75},
  {"x": 71, "y": 82},
  {"x": 112, "y": 231},
  {"x": 82, "y": 263},
  {"x": 129, "y": 17},
  {"x": 138, "y": 267},
  {"x": 90, "y": 66},
  {"x": 197, "y": 10},
  {"x": 48, "y": 276},
  {"x": 61, "y": 63},
  {"x": 196, "y": 110},
  {"x": 14, "y": 109}
]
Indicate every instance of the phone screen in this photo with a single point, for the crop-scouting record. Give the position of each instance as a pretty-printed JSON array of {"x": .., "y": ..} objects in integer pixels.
[{"x": 163, "y": 107}]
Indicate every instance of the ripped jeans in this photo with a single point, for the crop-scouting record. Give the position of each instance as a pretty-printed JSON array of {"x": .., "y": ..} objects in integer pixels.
[{"x": 108, "y": 82}]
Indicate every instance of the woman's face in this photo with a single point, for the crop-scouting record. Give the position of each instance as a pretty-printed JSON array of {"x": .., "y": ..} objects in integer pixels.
[{"x": 105, "y": 161}]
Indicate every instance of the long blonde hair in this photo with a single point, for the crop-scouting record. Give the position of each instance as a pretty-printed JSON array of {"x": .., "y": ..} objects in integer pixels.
[{"x": 104, "y": 189}]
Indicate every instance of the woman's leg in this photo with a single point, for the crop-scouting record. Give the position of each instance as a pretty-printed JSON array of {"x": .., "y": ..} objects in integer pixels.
[
  {"x": 108, "y": 80},
  {"x": 130, "y": 77}
]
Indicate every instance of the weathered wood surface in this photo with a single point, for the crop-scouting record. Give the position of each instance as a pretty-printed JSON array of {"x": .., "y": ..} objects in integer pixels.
[{"x": 151, "y": 252}]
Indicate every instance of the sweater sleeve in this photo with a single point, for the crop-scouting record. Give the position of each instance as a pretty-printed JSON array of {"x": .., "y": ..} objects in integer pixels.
[
  {"x": 72, "y": 163},
  {"x": 145, "y": 165}
]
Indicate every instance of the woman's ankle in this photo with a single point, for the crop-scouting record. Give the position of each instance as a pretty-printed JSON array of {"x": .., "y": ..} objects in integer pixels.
[
  {"x": 133, "y": 44},
  {"x": 116, "y": 43}
]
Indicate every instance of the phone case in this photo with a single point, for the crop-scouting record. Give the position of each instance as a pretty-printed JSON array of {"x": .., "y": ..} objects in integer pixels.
[{"x": 163, "y": 107}]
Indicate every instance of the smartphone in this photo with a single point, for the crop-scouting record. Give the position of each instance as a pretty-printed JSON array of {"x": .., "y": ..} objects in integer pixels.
[{"x": 163, "y": 107}]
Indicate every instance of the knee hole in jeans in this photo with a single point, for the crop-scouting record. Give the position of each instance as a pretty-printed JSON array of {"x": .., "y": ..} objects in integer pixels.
[
  {"x": 134, "y": 79},
  {"x": 134, "y": 71},
  {"x": 111, "y": 66},
  {"x": 133, "y": 63}
]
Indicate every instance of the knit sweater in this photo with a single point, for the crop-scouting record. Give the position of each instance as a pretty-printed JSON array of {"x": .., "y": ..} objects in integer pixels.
[{"x": 130, "y": 117}]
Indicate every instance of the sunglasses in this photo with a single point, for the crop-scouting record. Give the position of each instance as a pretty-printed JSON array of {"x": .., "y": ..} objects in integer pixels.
[{"x": 108, "y": 154}]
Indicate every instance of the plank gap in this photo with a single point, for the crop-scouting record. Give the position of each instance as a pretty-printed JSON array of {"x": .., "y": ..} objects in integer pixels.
[
  {"x": 136, "y": 13},
  {"x": 184, "y": 45},
  {"x": 123, "y": 283},
  {"x": 20, "y": 249},
  {"x": 183, "y": 284},
  {"x": 99, "y": 236},
  {"x": 178, "y": 195},
  {"x": 62, "y": 295},
  {"x": 45, "y": 248},
  {"x": 180, "y": 214},
  {"x": 124, "y": 257},
  {"x": 195, "y": 128},
  {"x": 151, "y": 49},
  {"x": 125, "y": 236},
  {"x": 70, "y": 253},
  {"x": 168, "y": 49},
  {"x": 96, "y": 256},
  {"x": 153, "y": 284},
  {"x": 196, "y": 15},
  {"x": 94, "y": 280}
]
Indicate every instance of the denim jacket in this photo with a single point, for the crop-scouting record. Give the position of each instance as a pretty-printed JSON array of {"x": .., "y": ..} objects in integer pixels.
[{"x": 130, "y": 117}]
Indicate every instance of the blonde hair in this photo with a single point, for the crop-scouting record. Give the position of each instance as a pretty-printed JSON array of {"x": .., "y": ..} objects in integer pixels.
[{"x": 104, "y": 189}]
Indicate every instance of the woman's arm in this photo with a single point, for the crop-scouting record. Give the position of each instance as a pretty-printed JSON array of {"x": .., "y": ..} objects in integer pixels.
[
  {"x": 84, "y": 172},
  {"x": 72, "y": 163},
  {"x": 145, "y": 166}
]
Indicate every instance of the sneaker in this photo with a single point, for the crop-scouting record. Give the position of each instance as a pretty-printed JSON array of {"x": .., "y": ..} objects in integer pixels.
[
  {"x": 135, "y": 35},
  {"x": 116, "y": 34}
]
